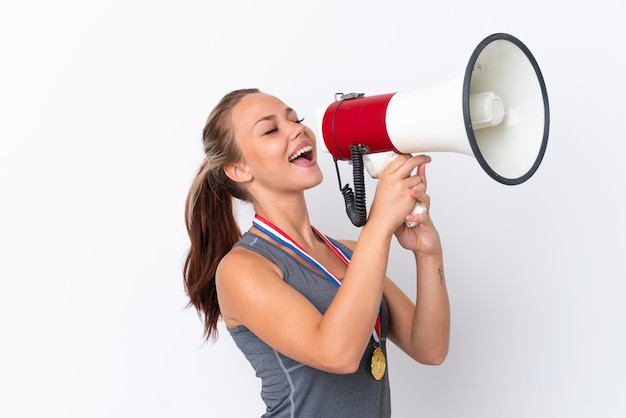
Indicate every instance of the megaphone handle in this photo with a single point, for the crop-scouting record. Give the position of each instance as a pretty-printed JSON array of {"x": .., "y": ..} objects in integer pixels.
[
  {"x": 417, "y": 210},
  {"x": 376, "y": 163}
]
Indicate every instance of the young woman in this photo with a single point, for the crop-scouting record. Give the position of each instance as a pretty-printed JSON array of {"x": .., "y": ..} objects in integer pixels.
[{"x": 311, "y": 314}]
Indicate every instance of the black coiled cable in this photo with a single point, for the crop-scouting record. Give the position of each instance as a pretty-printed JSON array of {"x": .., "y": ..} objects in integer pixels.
[{"x": 355, "y": 200}]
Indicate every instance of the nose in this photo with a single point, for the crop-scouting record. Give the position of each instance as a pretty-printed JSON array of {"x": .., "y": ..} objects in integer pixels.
[{"x": 299, "y": 129}]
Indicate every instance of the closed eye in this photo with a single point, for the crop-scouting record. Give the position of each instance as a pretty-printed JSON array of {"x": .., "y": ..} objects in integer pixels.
[{"x": 275, "y": 129}]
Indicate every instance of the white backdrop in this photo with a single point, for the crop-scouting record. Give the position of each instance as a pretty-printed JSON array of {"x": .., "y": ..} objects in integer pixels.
[{"x": 101, "y": 110}]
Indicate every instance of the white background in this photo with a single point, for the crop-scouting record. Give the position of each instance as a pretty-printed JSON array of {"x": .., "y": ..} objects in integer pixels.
[{"x": 102, "y": 105}]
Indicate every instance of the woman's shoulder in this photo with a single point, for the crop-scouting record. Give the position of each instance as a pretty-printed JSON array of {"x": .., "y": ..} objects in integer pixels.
[
  {"x": 241, "y": 277},
  {"x": 243, "y": 258}
]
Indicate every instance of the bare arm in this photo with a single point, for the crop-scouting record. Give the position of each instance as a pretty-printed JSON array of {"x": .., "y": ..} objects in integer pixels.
[
  {"x": 252, "y": 293},
  {"x": 422, "y": 329}
]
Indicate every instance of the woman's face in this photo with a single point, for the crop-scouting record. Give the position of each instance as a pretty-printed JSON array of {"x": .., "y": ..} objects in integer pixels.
[{"x": 278, "y": 150}]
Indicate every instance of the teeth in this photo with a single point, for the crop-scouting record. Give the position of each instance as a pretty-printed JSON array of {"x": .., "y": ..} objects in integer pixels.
[{"x": 301, "y": 151}]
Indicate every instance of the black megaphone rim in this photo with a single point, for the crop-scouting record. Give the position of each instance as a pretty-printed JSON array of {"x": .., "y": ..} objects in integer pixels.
[{"x": 466, "y": 109}]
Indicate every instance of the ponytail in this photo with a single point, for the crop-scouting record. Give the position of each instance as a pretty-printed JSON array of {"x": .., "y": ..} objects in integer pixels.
[
  {"x": 210, "y": 221},
  {"x": 213, "y": 231}
]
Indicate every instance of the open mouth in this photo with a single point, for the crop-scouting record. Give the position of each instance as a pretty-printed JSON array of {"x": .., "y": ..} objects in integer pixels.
[{"x": 305, "y": 153}]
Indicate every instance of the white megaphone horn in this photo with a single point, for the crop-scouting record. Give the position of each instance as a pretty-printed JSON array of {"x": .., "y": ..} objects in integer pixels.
[{"x": 496, "y": 111}]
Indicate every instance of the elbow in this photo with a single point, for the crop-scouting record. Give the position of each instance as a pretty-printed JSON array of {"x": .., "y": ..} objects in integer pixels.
[
  {"x": 341, "y": 362},
  {"x": 434, "y": 359},
  {"x": 346, "y": 365},
  {"x": 434, "y": 356},
  {"x": 349, "y": 368},
  {"x": 430, "y": 350}
]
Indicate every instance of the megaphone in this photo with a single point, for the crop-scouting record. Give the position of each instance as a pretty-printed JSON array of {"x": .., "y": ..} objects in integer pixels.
[{"x": 496, "y": 111}]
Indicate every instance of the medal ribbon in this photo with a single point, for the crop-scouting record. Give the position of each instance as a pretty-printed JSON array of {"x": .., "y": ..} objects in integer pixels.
[{"x": 278, "y": 235}]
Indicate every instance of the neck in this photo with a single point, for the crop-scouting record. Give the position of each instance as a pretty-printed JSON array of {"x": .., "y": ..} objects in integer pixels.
[{"x": 292, "y": 219}]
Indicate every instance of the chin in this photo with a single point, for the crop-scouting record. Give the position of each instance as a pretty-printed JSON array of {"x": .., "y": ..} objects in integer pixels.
[{"x": 318, "y": 180}]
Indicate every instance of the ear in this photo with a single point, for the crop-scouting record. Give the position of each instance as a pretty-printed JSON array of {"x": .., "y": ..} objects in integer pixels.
[{"x": 238, "y": 172}]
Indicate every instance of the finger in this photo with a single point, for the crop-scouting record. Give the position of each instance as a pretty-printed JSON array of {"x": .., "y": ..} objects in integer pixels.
[
  {"x": 415, "y": 181},
  {"x": 398, "y": 162},
  {"x": 424, "y": 201},
  {"x": 418, "y": 219},
  {"x": 421, "y": 170},
  {"x": 423, "y": 158},
  {"x": 419, "y": 193},
  {"x": 405, "y": 164}
]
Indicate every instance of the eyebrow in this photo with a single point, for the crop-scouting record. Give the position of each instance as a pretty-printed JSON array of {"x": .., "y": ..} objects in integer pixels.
[{"x": 288, "y": 111}]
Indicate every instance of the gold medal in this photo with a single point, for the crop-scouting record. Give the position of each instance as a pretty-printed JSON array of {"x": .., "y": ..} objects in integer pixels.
[{"x": 379, "y": 364}]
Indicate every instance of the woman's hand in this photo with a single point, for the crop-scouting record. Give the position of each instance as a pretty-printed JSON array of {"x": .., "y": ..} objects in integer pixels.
[
  {"x": 396, "y": 191},
  {"x": 422, "y": 238}
]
